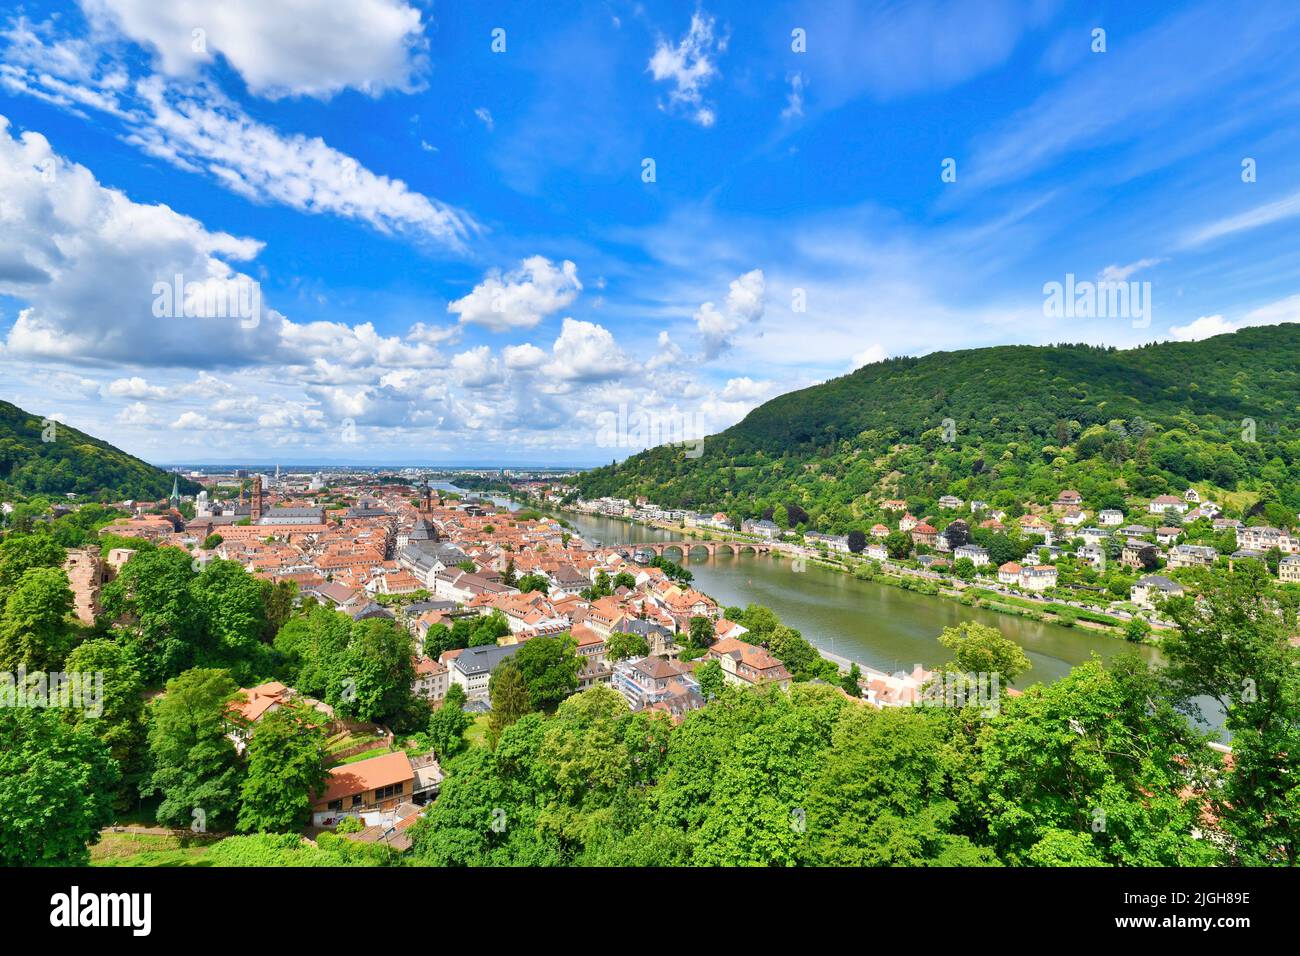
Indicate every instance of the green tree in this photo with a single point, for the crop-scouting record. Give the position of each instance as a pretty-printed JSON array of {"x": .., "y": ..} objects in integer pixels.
[
  {"x": 879, "y": 795},
  {"x": 1102, "y": 756},
  {"x": 284, "y": 772},
  {"x": 153, "y": 612},
  {"x": 510, "y": 698},
  {"x": 196, "y": 767},
  {"x": 898, "y": 544},
  {"x": 980, "y": 649},
  {"x": 534, "y": 582},
  {"x": 120, "y": 720},
  {"x": 701, "y": 632},
  {"x": 446, "y": 730},
  {"x": 35, "y": 632},
  {"x": 620, "y": 646},
  {"x": 56, "y": 789},
  {"x": 374, "y": 677},
  {"x": 549, "y": 667},
  {"x": 21, "y": 553},
  {"x": 1136, "y": 630},
  {"x": 850, "y": 681},
  {"x": 711, "y": 679},
  {"x": 1233, "y": 645}
]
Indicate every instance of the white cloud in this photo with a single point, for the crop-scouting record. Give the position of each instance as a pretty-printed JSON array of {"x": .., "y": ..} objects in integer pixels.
[
  {"x": 585, "y": 352},
  {"x": 870, "y": 355},
  {"x": 1202, "y": 328},
  {"x": 477, "y": 368},
  {"x": 746, "y": 301},
  {"x": 304, "y": 173},
  {"x": 485, "y": 117},
  {"x": 135, "y": 387},
  {"x": 689, "y": 66},
  {"x": 745, "y": 389},
  {"x": 519, "y": 299},
  {"x": 103, "y": 258},
  {"x": 794, "y": 99},
  {"x": 299, "y": 48},
  {"x": 526, "y": 356},
  {"x": 196, "y": 129},
  {"x": 1117, "y": 273},
  {"x": 1274, "y": 313},
  {"x": 138, "y": 415},
  {"x": 99, "y": 282},
  {"x": 1263, "y": 215}
]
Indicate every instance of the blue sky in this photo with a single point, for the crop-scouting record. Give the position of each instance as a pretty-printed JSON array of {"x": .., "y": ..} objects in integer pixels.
[{"x": 457, "y": 256}]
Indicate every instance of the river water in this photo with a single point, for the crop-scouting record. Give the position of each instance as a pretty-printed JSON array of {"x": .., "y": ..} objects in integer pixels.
[
  {"x": 885, "y": 627},
  {"x": 875, "y": 624}
]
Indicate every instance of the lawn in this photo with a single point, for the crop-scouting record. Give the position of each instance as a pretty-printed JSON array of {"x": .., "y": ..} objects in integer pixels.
[
  {"x": 477, "y": 732},
  {"x": 147, "y": 849},
  {"x": 364, "y": 755}
]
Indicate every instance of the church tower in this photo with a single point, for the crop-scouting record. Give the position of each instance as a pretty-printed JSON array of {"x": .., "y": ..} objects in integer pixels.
[
  {"x": 255, "y": 506},
  {"x": 176, "y": 494}
]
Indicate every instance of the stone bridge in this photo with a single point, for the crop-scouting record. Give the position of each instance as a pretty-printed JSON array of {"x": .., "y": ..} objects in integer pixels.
[{"x": 685, "y": 549}]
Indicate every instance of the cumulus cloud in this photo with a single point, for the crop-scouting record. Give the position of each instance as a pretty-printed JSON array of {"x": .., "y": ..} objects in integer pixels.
[
  {"x": 1274, "y": 313},
  {"x": 745, "y": 304},
  {"x": 745, "y": 389},
  {"x": 109, "y": 261},
  {"x": 525, "y": 356},
  {"x": 117, "y": 280},
  {"x": 519, "y": 299},
  {"x": 689, "y": 65},
  {"x": 585, "y": 352},
  {"x": 477, "y": 367},
  {"x": 304, "y": 48}
]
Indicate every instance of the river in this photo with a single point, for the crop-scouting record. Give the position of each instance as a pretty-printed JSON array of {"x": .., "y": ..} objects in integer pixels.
[{"x": 876, "y": 624}]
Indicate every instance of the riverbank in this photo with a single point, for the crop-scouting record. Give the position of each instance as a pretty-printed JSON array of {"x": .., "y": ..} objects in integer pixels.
[{"x": 926, "y": 583}]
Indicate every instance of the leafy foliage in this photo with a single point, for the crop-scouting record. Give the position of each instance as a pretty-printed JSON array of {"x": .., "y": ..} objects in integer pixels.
[
  {"x": 1029, "y": 422},
  {"x": 74, "y": 462}
]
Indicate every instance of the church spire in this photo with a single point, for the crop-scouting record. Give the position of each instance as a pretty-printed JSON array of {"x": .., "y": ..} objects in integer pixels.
[{"x": 176, "y": 493}]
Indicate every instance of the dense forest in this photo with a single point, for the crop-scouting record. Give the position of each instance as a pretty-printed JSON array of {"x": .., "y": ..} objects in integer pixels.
[
  {"x": 1008, "y": 425},
  {"x": 41, "y": 457}
]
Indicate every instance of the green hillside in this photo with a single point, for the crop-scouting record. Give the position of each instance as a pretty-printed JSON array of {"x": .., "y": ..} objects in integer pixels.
[
  {"x": 74, "y": 462},
  {"x": 1027, "y": 421}
]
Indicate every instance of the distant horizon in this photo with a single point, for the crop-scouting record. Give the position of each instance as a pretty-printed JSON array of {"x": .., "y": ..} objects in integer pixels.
[
  {"x": 383, "y": 234},
  {"x": 306, "y": 464}
]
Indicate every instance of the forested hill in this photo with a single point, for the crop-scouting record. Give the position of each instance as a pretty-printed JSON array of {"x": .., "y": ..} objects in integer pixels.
[
  {"x": 1026, "y": 421},
  {"x": 73, "y": 462}
]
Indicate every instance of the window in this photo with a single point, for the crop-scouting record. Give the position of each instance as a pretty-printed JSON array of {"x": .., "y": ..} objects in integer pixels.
[
  {"x": 336, "y": 804},
  {"x": 356, "y": 800}
]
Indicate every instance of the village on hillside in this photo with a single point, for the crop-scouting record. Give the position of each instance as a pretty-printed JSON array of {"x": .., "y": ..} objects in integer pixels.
[{"x": 1106, "y": 565}]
